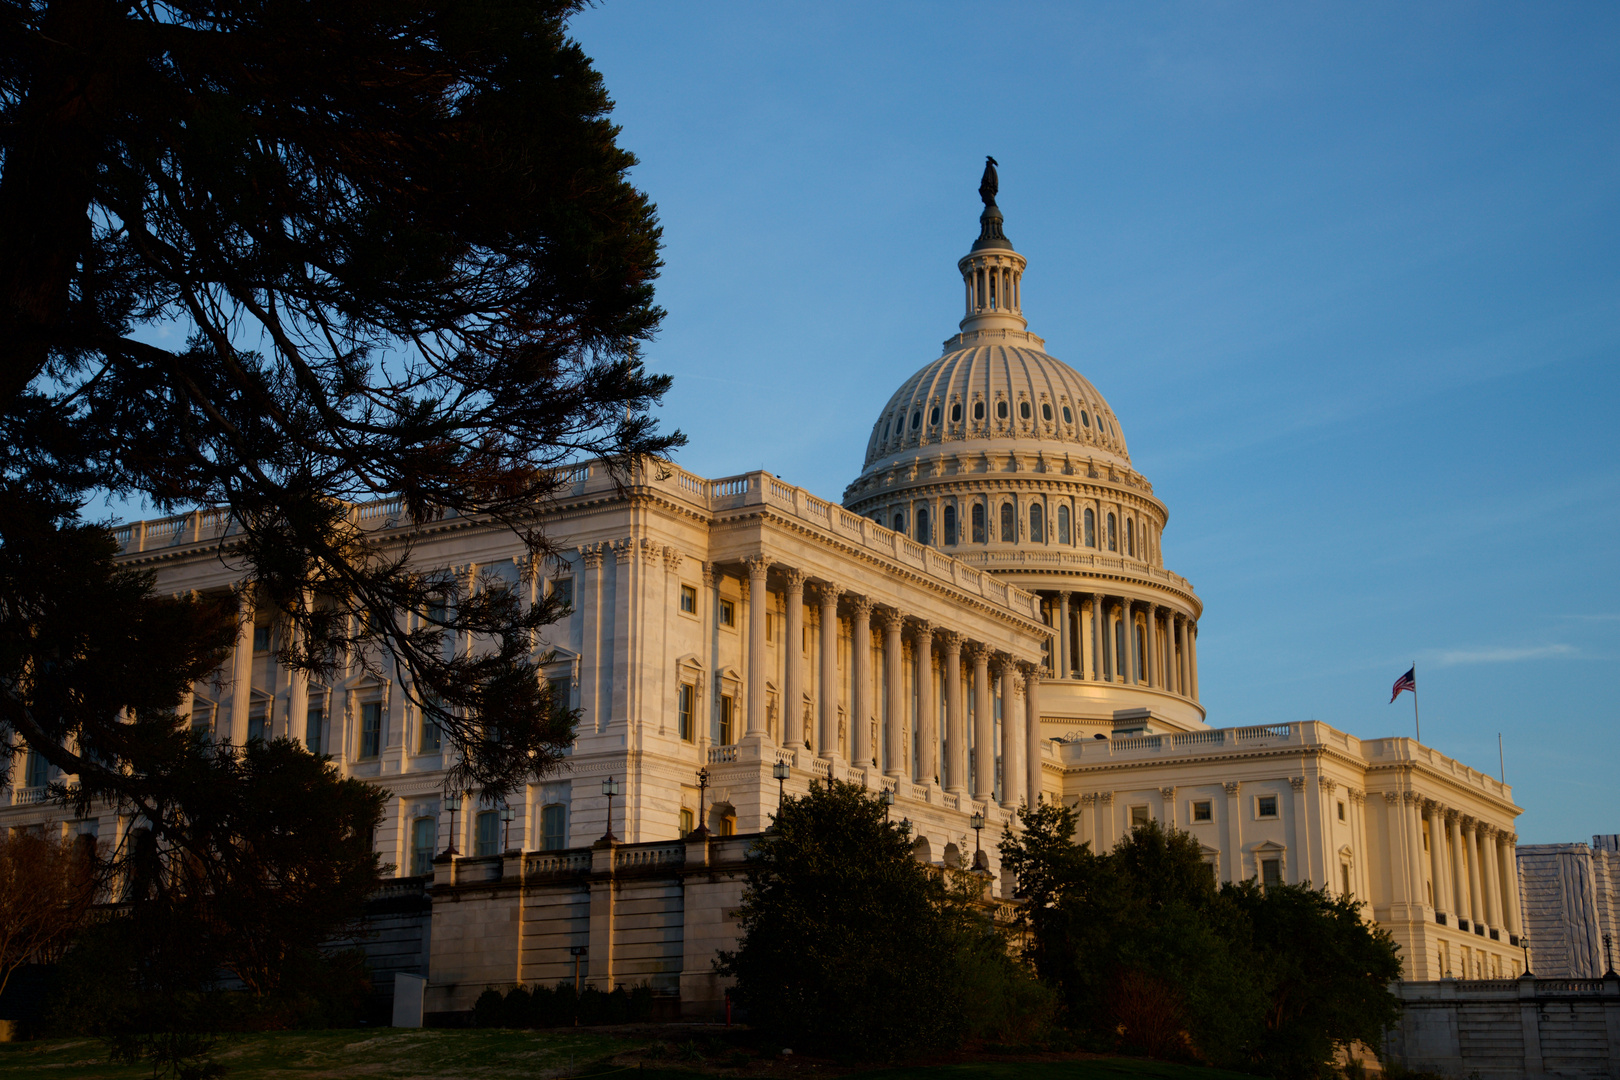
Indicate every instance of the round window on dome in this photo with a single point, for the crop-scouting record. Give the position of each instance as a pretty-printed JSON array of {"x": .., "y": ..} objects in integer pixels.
[
  {"x": 978, "y": 410},
  {"x": 1046, "y": 412},
  {"x": 956, "y": 413},
  {"x": 1068, "y": 417},
  {"x": 933, "y": 417},
  {"x": 1023, "y": 410},
  {"x": 1001, "y": 410},
  {"x": 916, "y": 420}
]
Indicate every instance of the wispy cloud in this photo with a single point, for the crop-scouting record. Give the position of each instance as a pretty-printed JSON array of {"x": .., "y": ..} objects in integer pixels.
[{"x": 1452, "y": 657}]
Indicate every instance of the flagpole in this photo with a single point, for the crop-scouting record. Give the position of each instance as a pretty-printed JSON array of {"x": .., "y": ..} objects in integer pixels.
[{"x": 1416, "y": 723}]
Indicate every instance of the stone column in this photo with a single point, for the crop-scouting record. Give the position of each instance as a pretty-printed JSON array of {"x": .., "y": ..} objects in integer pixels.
[
  {"x": 1007, "y": 672},
  {"x": 624, "y": 575},
  {"x": 793, "y": 661},
  {"x": 758, "y": 604},
  {"x": 894, "y": 723},
  {"x": 1098, "y": 632},
  {"x": 297, "y": 692},
  {"x": 1475, "y": 896},
  {"x": 242, "y": 671},
  {"x": 1178, "y": 681},
  {"x": 1437, "y": 858},
  {"x": 1412, "y": 822},
  {"x": 927, "y": 706},
  {"x": 1150, "y": 642},
  {"x": 1032, "y": 732},
  {"x": 1507, "y": 861},
  {"x": 1192, "y": 659},
  {"x": 1461, "y": 899},
  {"x": 589, "y": 599},
  {"x": 827, "y": 692},
  {"x": 1234, "y": 831},
  {"x": 1063, "y": 667},
  {"x": 1127, "y": 640},
  {"x": 955, "y": 716},
  {"x": 1299, "y": 864},
  {"x": 1489, "y": 877},
  {"x": 860, "y": 648},
  {"x": 984, "y": 725}
]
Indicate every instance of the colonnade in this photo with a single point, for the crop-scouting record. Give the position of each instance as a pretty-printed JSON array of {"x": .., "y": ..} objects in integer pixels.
[
  {"x": 1472, "y": 870},
  {"x": 938, "y": 658},
  {"x": 1092, "y": 649}
]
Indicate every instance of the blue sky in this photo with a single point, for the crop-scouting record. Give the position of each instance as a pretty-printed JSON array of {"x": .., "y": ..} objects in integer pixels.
[{"x": 1347, "y": 274}]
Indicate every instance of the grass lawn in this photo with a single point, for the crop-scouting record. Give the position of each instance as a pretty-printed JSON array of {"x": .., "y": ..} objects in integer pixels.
[
  {"x": 1097, "y": 1069},
  {"x": 375, "y": 1054}
]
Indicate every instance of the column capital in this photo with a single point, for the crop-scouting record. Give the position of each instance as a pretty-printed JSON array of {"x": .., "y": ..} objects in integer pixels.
[
  {"x": 1451, "y": 816},
  {"x": 1004, "y": 664},
  {"x": 709, "y": 574},
  {"x": 1357, "y": 795},
  {"x": 672, "y": 559},
  {"x": 1326, "y": 785},
  {"x": 1105, "y": 796},
  {"x": 827, "y": 593},
  {"x": 949, "y": 640},
  {"x": 1469, "y": 824},
  {"x": 1412, "y": 797},
  {"x": 1032, "y": 672},
  {"x": 757, "y": 566},
  {"x": 1297, "y": 783},
  {"x": 623, "y": 550},
  {"x": 861, "y": 606},
  {"x": 1233, "y": 787},
  {"x": 793, "y": 579},
  {"x": 890, "y": 619},
  {"x": 1168, "y": 793},
  {"x": 923, "y": 630},
  {"x": 1088, "y": 798},
  {"x": 591, "y": 555},
  {"x": 1065, "y": 594},
  {"x": 977, "y": 652},
  {"x": 1392, "y": 797}
]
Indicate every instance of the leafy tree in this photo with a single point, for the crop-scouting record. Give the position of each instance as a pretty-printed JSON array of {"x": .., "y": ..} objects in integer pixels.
[
  {"x": 401, "y": 250},
  {"x": 47, "y": 888},
  {"x": 850, "y": 945}
]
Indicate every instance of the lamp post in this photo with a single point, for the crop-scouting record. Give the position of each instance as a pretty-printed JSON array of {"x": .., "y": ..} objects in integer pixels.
[
  {"x": 1524, "y": 943},
  {"x": 577, "y": 951},
  {"x": 703, "y": 801},
  {"x": 976, "y": 823},
  {"x": 455, "y": 808},
  {"x": 507, "y": 813},
  {"x": 1608, "y": 957},
  {"x": 781, "y": 770},
  {"x": 888, "y": 802},
  {"x": 610, "y": 788}
]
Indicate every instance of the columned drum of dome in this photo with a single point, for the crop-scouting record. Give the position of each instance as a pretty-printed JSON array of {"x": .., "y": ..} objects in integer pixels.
[{"x": 1017, "y": 464}]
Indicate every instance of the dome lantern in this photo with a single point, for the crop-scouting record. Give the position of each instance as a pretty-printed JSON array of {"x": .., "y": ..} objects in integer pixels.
[{"x": 992, "y": 272}]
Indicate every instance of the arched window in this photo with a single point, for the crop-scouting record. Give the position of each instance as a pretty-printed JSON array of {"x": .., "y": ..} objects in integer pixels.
[
  {"x": 1063, "y": 525},
  {"x": 1001, "y": 410},
  {"x": 1037, "y": 530},
  {"x": 933, "y": 416},
  {"x": 1068, "y": 417},
  {"x": 978, "y": 523},
  {"x": 948, "y": 516},
  {"x": 884, "y": 437},
  {"x": 978, "y": 410},
  {"x": 1130, "y": 538},
  {"x": 1113, "y": 534},
  {"x": 1046, "y": 412},
  {"x": 922, "y": 526},
  {"x": 1009, "y": 524},
  {"x": 1091, "y": 528},
  {"x": 899, "y": 521},
  {"x": 1023, "y": 410},
  {"x": 1085, "y": 418},
  {"x": 956, "y": 412},
  {"x": 916, "y": 420}
]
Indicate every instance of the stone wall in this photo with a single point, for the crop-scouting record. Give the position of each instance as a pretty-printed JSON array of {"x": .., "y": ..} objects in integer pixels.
[
  {"x": 395, "y": 936},
  {"x": 1508, "y": 1028}
]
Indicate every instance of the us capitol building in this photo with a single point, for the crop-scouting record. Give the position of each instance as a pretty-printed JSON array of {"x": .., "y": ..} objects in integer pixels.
[{"x": 986, "y": 619}]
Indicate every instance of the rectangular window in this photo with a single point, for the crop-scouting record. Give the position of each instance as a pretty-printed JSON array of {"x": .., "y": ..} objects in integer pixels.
[
  {"x": 38, "y": 770},
  {"x": 1341, "y": 810},
  {"x": 432, "y": 736},
  {"x": 1425, "y": 836},
  {"x": 424, "y": 833},
  {"x": 688, "y": 821},
  {"x": 562, "y": 691},
  {"x": 689, "y": 599},
  {"x": 1271, "y": 871},
  {"x": 259, "y": 721},
  {"x": 202, "y": 716},
  {"x": 1265, "y": 806},
  {"x": 261, "y": 639},
  {"x": 553, "y": 827},
  {"x": 728, "y": 613},
  {"x": 1344, "y": 879},
  {"x": 487, "y": 839},
  {"x": 728, "y": 720},
  {"x": 370, "y": 729},
  {"x": 1201, "y": 811},
  {"x": 562, "y": 590},
  {"x": 688, "y": 726},
  {"x": 312, "y": 729},
  {"x": 1139, "y": 816},
  {"x": 770, "y": 628}
]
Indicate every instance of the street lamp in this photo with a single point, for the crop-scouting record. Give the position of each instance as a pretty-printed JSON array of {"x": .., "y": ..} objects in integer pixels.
[
  {"x": 1608, "y": 957},
  {"x": 703, "y": 802},
  {"x": 1524, "y": 943},
  {"x": 578, "y": 952},
  {"x": 455, "y": 808},
  {"x": 887, "y": 798},
  {"x": 781, "y": 770},
  {"x": 976, "y": 823},
  {"x": 610, "y": 788},
  {"x": 507, "y": 813}
]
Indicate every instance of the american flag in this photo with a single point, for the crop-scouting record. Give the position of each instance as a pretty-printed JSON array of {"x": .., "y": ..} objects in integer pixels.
[{"x": 1405, "y": 682}]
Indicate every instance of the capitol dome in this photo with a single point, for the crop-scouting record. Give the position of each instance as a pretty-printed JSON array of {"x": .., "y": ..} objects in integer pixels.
[{"x": 1004, "y": 457}]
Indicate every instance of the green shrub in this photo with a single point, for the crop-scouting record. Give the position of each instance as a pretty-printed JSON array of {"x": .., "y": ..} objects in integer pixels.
[{"x": 489, "y": 1011}]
